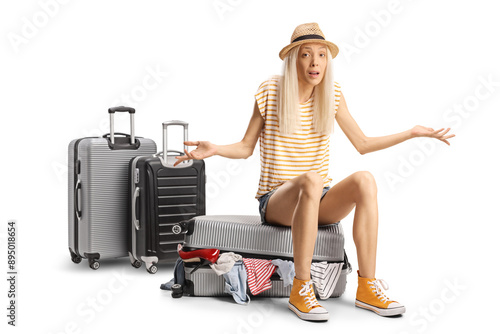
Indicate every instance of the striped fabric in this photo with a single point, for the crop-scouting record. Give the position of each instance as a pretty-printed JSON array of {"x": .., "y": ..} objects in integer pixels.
[
  {"x": 325, "y": 277},
  {"x": 284, "y": 157},
  {"x": 259, "y": 274}
]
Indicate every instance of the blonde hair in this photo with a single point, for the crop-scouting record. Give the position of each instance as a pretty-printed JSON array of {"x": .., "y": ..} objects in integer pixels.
[{"x": 288, "y": 97}]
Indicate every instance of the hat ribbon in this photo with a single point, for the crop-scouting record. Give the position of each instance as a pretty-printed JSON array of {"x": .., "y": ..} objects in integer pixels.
[{"x": 300, "y": 38}]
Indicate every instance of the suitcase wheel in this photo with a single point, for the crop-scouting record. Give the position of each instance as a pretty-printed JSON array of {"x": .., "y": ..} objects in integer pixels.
[
  {"x": 177, "y": 291},
  {"x": 153, "y": 269},
  {"x": 76, "y": 259},
  {"x": 136, "y": 264},
  {"x": 94, "y": 265}
]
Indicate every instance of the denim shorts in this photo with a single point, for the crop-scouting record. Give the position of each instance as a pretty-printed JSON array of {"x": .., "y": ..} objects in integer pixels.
[{"x": 264, "y": 199}]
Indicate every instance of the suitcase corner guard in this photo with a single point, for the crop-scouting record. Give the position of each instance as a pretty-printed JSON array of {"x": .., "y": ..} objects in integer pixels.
[{"x": 184, "y": 226}]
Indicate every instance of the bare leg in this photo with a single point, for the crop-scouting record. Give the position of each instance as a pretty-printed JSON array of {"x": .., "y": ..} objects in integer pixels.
[
  {"x": 296, "y": 204},
  {"x": 357, "y": 190}
]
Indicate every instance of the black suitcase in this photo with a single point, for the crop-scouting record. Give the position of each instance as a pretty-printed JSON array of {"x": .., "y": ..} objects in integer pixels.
[{"x": 161, "y": 197}]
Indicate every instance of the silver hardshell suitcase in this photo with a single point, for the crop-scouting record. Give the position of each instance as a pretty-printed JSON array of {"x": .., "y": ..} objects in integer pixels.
[
  {"x": 98, "y": 192},
  {"x": 204, "y": 282},
  {"x": 247, "y": 236}
]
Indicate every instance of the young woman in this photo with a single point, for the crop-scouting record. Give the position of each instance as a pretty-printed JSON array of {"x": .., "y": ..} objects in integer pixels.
[{"x": 293, "y": 118}]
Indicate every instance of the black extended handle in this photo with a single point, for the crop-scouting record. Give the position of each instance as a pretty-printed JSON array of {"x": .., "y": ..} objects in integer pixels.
[{"x": 121, "y": 109}]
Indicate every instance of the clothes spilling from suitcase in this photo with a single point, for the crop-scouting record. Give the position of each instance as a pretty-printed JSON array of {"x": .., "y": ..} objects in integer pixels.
[{"x": 125, "y": 199}]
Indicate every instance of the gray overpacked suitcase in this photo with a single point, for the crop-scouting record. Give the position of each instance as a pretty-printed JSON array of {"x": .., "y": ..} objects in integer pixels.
[
  {"x": 245, "y": 235},
  {"x": 98, "y": 192}
]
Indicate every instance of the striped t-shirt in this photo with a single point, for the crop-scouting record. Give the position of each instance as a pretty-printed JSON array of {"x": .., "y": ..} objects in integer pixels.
[{"x": 283, "y": 157}]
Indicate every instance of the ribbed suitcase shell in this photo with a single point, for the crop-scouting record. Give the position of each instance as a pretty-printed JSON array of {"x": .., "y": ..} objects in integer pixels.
[
  {"x": 205, "y": 283},
  {"x": 167, "y": 197},
  {"x": 103, "y": 175},
  {"x": 247, "y": 235}
]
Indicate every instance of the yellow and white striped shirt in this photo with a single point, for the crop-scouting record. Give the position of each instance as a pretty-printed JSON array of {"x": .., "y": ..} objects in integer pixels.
[{"x": 283, "y": 157}]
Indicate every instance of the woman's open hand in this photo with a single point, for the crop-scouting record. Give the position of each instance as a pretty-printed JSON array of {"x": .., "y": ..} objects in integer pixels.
[
  {"x": 422, "y": 131},
  {"x": 204, "y": 149}
]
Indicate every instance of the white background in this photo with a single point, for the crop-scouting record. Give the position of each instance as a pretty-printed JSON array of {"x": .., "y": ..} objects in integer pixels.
[{"x": 401, "y": 63}]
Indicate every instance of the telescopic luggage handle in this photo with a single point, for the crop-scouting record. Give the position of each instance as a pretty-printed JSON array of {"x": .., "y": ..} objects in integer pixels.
[
  {"x": 165, "y": 143},
  {"x": 111, "y": 112}
]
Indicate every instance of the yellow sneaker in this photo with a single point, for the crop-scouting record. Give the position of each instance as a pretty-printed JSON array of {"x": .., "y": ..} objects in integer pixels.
[
  {"x": 303, "y": 302},
  {"x": 370, "y": 296}
]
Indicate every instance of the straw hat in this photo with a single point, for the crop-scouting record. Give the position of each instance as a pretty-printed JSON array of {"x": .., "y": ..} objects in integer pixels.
[{"x": 308, "y": 33}]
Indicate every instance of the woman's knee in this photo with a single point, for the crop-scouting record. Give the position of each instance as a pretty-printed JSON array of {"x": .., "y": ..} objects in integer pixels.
[
  {"x": 310, "y": 184},
  {"x": 365, "y": 183}
]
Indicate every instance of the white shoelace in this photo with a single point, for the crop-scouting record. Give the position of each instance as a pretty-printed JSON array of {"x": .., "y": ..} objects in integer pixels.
[
  {"x": 378, "y": 291},
  {"x": 308, "y": 291}
]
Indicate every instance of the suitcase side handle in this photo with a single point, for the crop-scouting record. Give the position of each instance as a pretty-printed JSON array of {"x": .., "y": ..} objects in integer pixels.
[
  {"x": 76, "y": 199},
  {"x": 131, "y": 112},
  {"x": 137, "y": 193}
]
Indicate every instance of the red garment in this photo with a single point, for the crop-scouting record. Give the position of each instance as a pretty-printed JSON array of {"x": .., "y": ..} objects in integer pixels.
[{"x": 259, "y": 274}]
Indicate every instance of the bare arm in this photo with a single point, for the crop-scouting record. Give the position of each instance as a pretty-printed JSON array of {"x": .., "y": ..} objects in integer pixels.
[
  {"x": 244, "y": 148},
  {"x": 240, "y": 150},
  {"x": 364, "y": 144}
]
